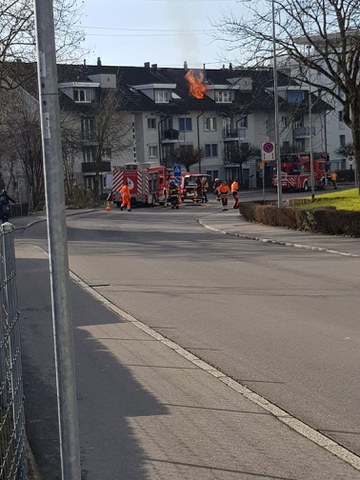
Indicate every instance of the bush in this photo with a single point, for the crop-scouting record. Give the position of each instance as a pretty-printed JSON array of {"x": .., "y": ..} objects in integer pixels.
[{"x": 323, "y": 219}]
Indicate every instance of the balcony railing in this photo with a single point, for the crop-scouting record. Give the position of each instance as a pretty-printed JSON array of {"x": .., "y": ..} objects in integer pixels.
[
  {"x": 93, "y": 167},
  {"x": 303, "y": 132},
  {"x": 234, "y": 133},
  {"x": 171, "y": 136}
]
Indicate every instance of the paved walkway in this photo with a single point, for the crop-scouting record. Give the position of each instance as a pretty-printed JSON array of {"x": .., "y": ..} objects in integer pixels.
[{"x": 232, "y": 223}]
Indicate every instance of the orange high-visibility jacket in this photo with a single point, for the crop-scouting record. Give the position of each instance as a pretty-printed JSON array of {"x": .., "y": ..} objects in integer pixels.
[
  {"x": 234, "y": 187},
  {"x": 223, "y": 189},
  {"x": 125, "y": 192}
]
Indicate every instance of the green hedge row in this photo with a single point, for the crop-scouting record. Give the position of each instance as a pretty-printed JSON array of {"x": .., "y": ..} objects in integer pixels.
[{"x": 324, "y": 219}]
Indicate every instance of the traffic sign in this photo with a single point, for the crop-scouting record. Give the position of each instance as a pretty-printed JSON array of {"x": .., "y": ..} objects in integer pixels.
[
  {"x": 177, "y": 170},
  {"x": 268, "y": 151}
]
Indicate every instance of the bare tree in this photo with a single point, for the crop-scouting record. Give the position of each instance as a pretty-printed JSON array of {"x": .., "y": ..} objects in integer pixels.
[
  {"x": 188, "y": 157},
  {"x": 20, "y": 140},
  {"x": 103, "y": 129},
  {"x": 321, "y": 37},
  {"x": 17, "y": 36}
]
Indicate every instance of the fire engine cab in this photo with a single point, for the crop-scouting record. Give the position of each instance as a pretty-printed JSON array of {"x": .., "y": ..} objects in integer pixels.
[
  {"x": 147, "y": 184},
  {"x": 295, "y": 172}
]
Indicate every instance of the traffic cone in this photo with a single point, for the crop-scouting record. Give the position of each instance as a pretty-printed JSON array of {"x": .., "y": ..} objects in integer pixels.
[{"x": 107, "y": 206}]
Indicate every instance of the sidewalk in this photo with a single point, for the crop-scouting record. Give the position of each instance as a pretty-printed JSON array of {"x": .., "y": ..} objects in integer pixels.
[{"x": 232, "y": 223}]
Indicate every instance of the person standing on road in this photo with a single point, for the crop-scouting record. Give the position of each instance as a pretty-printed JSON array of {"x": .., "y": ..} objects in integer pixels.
[
  {"x": 235, "y": 193},
  {"x": 333, "y": 178},
  {"x": 126, "y": 197},
  {"x": 224, "y": 191},
  {"x": 205, "y": 188},
  {"x": 216, "y": 185},
  {"x": 5, "y": 200}
]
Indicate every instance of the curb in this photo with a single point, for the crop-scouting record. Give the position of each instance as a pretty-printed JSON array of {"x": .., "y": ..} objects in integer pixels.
[{"x": 278, "y": 242}]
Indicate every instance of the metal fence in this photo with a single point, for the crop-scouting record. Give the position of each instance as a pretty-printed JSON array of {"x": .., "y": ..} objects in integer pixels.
[{"x": 12, "y": 420}]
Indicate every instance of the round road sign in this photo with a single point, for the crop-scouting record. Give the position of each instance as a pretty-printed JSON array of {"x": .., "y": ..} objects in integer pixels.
[{"x": 268, "y": 147}]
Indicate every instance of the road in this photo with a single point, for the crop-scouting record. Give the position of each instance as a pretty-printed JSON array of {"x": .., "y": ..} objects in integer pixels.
[{"x": 281, "y": 321}]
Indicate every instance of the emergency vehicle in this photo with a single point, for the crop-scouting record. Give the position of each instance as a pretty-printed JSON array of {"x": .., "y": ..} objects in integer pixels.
[
  {"x": 190, "y": 187},
  {"x": 295, "y": 172},
  {"x": 147, "y": 184}
]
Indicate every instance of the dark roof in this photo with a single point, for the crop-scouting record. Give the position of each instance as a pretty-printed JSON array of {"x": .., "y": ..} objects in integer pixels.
[{"x": 260, "y": 98}]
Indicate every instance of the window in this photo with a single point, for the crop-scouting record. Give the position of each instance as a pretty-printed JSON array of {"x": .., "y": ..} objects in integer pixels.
[
  {"x": 243, "y": 122},
  {"x": 186, "y": 149},
  {"x": 342, "y": 140},
  {"x": 88, "y": 154},
  {"x": 299, "y": 121},
  {"x": 341, "y": 115},
  {"x": 87, "y": 128},
  {"x": 151, "y": 123},
  {"x": 185, "y": 124},
  {"x": 284, "y": 121},
  {"x": 223, "y": 96},
  {"x": 82, "y": 95},
  {"x": 211, "y": 150},
  {"x": 162, "y": 96},
  {"x": 106, "y": 153},
  {"x": 153, "y": 151},
  {"x": 295, "y": 96},
  {"x": 210, "y": 124}
]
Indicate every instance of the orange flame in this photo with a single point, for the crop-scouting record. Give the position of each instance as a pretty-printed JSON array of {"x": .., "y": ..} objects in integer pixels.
[{"x": 197, "y": 87}]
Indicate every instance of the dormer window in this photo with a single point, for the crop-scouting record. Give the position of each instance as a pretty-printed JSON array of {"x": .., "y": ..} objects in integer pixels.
[
  {"x": 162, "y": 96},
  {"x": 82, "y": 95},
  {"x": 223, "y": 96}
]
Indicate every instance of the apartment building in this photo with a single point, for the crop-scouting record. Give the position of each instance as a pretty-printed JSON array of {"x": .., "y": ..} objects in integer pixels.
[{"x": 116, "y": 115}]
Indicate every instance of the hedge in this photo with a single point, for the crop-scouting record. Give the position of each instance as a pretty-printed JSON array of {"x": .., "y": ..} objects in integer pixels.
[{"x": 323, "y": 219}]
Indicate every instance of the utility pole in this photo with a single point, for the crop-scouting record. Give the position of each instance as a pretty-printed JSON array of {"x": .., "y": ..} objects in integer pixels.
[
  {"x": 57, "y": 240},
  {"x": 276, "y": 116}
]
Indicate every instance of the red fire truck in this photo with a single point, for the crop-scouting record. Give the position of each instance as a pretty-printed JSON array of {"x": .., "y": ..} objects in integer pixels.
[
  {"x": 190, "y": 187},
  {"x": 147, "y": 184},
  {"x": 295, "y": 172}
]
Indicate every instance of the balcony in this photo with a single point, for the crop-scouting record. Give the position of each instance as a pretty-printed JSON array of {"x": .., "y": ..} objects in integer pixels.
[
  {"x": 231, "y": 134},
  {"x": 303, "y": 132},
  {"x": 92, "y": 167},
  {"x": 171, "y": 136}
]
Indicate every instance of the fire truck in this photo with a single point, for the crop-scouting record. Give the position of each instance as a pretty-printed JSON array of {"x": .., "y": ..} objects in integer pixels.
[
  {"x": 147, "y": 184},
  {"x": 295, "y": 172}
]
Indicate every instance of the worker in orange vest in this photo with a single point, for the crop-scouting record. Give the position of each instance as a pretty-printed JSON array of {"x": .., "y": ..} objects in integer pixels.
[
  {"x": 333, "y": 178},
  {"x": 235, "y": 194},
  {"x": 224, "y": 191},
  {"x": 125, "y": 196}
]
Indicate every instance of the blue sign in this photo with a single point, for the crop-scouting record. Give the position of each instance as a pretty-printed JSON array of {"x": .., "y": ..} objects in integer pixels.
[{"x": 177, "y": 171}]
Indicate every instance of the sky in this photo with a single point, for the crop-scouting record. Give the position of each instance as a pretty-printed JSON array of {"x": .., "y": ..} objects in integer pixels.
[{"x": 162, "y": 32}]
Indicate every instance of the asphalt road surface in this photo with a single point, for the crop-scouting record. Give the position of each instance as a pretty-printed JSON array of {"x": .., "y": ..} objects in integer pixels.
[{"x": 281, "y": 321}]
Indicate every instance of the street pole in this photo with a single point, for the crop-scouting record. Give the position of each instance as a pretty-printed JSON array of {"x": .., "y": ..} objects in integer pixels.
[
  {"x": 57, "y": 240},
  {"x": 311, "y": 156},
  {"x": 276, "y": 116}
]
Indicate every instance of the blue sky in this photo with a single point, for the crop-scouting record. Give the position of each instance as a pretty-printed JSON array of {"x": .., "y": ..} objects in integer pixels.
[{"x": 165, "y": 32}]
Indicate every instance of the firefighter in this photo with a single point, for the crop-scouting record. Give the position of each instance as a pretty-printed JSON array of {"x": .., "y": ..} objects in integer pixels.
[
  {"x": 216, "y": 185},
  {"x": 173, "y": 195},
  {"x": 205, "y": 188},
  {"x": 235, "y": 193},
  {"x": 333, "y": 178},
  {"x": 224, "y": 191},
  {"x": 126, "y": 197}
]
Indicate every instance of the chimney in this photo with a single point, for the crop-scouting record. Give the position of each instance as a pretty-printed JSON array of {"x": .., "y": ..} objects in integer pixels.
[
  {"x": 84, "y": 62},
  {"x": 154, "y": 66},
  {"x": 186, "y": 65},
  {"x": 99, "y": 62},
  {"x": 230, "y": 67},
  {"x": 147, "y": 65}
]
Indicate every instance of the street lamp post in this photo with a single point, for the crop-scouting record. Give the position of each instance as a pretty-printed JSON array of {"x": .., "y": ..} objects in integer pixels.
[{"x": 276, "y": 115}]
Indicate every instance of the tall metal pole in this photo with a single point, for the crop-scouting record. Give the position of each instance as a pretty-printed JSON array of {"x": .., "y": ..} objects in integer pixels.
[
  {"x": 276, "y": 116},
  {"x": 58, "y": 254},
  {"x": 311, "y": 156}
]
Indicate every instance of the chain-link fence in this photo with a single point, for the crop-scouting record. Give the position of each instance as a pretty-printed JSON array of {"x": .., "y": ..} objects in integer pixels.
[{"x": 12, "y": 419}]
